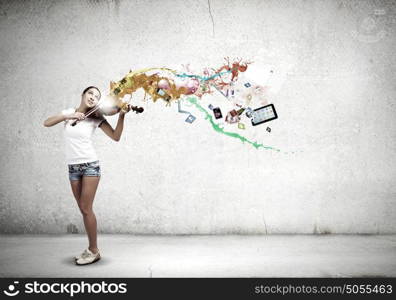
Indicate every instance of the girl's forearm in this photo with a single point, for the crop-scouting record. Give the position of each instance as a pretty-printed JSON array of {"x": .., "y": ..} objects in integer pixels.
[
  {"x": 119, "y": 127},
  {"x": 51, "y": 121}
]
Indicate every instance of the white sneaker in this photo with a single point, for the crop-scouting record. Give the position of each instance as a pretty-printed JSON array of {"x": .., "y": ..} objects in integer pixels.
[
  {"x": 87, "y": 257},
  {"x": 79, "y": 256}
]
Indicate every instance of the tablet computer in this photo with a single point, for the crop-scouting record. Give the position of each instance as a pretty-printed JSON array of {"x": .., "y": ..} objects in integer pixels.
[{"x": 264, "y": 114}]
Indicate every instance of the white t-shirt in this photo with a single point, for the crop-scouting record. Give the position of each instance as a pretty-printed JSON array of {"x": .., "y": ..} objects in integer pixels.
[{"x": 78, "y": 139}]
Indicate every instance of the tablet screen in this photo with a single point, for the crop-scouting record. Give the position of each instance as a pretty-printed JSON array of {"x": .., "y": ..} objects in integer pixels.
[{"x": 264, "y": 114}]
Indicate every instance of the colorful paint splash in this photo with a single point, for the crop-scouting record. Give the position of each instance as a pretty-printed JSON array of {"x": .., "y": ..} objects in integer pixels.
[
  {"x": 170, "y": 85},
  {"x": 173, "y": 85}
]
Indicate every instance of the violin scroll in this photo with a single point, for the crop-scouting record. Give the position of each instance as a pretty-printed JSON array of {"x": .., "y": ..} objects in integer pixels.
[{"x": 137, "y": 109}]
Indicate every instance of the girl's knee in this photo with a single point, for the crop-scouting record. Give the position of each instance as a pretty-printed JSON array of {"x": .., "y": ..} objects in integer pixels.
[{"x": 86, "y": 211}]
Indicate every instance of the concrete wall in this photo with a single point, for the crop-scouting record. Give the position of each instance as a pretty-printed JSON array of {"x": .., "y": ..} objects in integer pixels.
[{"x": 333, "y": 87}]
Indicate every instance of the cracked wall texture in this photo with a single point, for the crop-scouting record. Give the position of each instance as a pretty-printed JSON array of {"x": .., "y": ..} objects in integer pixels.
[{"x": 335, "y": 66}]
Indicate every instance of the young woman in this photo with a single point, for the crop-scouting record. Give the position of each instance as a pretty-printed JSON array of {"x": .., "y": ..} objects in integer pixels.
[{"x": 84, "y": 168}]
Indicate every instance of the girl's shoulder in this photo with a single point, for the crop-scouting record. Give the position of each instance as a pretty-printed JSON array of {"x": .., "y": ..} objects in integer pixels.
[{"x": 68, "y": 111}]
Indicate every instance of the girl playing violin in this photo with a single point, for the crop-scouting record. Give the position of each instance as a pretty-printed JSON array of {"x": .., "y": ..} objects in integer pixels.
[{"x": 83, "y": 163}]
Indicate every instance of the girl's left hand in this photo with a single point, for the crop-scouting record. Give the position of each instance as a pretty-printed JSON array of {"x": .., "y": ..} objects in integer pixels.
[{"x": 126, "y": 109}]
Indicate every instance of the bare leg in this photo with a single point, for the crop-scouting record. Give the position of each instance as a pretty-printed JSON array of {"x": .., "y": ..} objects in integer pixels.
[
  {"x": 76, "y": 186},
  {"x": 88, "y": 191}
]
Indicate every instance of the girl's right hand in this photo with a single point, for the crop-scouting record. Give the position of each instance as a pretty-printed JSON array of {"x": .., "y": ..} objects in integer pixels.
[{"x": 77, "y": 115}]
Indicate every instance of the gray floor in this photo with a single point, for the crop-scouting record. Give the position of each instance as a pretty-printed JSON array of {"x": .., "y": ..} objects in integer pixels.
[{"x": 201, "y": 256}]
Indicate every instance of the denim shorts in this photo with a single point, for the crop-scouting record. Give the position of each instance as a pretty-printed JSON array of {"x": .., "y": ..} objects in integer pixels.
[{"x": 77, "y": 171}]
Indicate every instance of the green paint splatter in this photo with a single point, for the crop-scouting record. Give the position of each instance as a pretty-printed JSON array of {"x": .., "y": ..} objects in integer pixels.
[{"x": 216, "y": 127}]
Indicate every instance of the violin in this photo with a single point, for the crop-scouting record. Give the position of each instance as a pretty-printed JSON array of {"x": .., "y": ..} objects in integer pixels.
[{"x": 108, "y": 107}]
